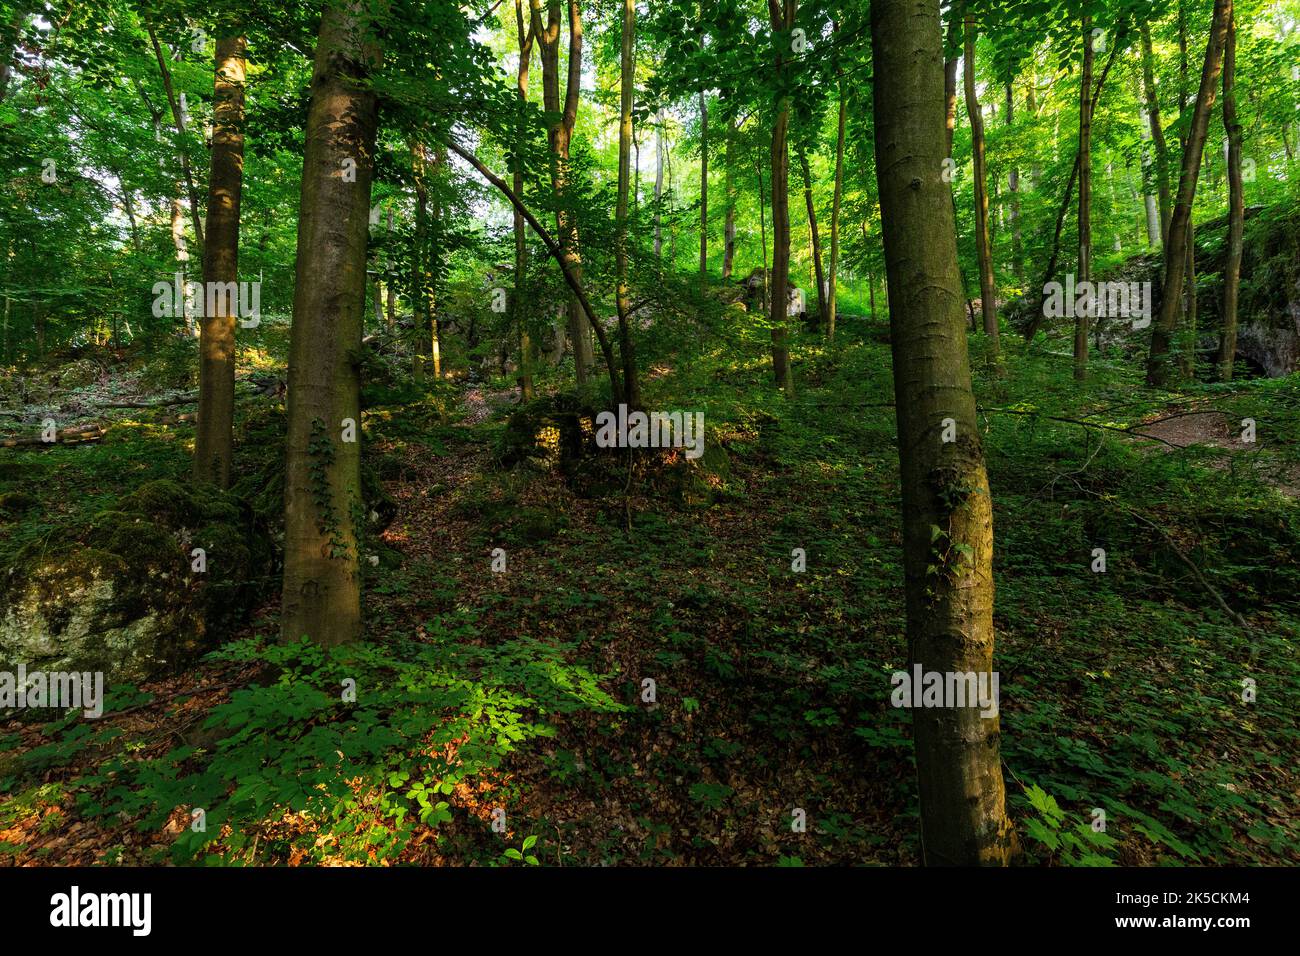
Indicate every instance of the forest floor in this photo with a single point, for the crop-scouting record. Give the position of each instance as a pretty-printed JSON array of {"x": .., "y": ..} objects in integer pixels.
[{"x": 524, "y": 690}]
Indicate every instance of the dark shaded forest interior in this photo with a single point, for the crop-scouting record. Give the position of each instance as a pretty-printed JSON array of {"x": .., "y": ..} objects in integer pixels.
[{"x": 527, "y": 433}]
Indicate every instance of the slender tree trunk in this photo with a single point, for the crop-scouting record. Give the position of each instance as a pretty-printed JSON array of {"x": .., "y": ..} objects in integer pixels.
[
  {"x": 322, "y": 494},
  {"x": 559, "y": 135},
  {"x": 1036, "y": 323},
  {"x": 214, "y": 436},
  {"x": 831, "y": 298},
  {"x": 983, "y": 244},
  {"x": 179, "y": 118},
  {"x": 1150, "y": 201},
  {"x": 659, "y": 188},
  {"x": 729, "y": 229},
  {"x": 182, "y": 260},
  {"x": 1013, "y": 184},
  {"x": 527, "y": 356},
  {"x": 423, "y": 267},
  {"x": 627, "y": 72},
  {"x": 1186, "y": 358},
  {"x": 1176, "y": 249},
  {"x": 557, "y": 254},
  {"x": 823, "y": 313},
  {"x": 782, "y": 14},
  {"x": 704, "y": 184},
  {"x": 1083, "y": 315},
  {"x": 762, "y": 231},
  {"x": 1157, "y": 132},
  {"x": 953, "y": 47},
  {"x": 950, "y": 576},
  {"x": 1236, "y": 205}
]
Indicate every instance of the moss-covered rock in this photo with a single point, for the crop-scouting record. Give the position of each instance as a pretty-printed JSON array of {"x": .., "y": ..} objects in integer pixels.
[
  {"x": 555, "y": 431},
  {"x": 143, "y": 590}
]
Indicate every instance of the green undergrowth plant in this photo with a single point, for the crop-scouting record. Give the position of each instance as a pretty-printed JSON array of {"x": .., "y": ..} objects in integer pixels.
[{"x": 345, "y": 752}]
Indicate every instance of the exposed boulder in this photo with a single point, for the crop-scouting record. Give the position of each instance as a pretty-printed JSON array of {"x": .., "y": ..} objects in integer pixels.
[{"x": 125, "y": 597}]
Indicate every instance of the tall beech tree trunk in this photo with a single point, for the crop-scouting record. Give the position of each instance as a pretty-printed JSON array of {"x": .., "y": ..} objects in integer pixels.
[
  {"x": 322, "y": 493},
  {"x": 782, "y": 14},
  {"x": 1159, "y": 372},
  {"x": 831, "y": 308},
  {"x": 944, "y": 484},
  {"x": 627, "y": 77},
  {"x": 983, "y": 244},
  {"x": 1236, "y": 205},
  {"x": 823, "y": 313},
  {"x": 1082, "y": 316},
  {"x": 214, "y": 435}
]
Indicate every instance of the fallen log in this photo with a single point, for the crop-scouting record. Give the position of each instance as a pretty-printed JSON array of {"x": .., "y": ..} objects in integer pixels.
[
  {"x": 66, "y": 436},
  {"x": 80, "y": 434}
]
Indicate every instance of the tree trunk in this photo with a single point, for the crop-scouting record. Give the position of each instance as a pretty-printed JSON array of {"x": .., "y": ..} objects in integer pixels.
[
  {"x": 1013, "y": 184},
  {"x": 944, "y": 484},
  {"x": 179, "y": 119},
  {"x": 182, "y": 260},
  {"x": 729, "y": 230},
  {"x": 823, "y": 315},
  {"x": 659, "y": 188},
  {"x": 627, "y": 73},
  {"x": 1189, "y": 282},
  {"x": 322, "y": 493},
  {"x": 831, "y": 307},
  {"x": 983, "y": 244},
  {"x": 1036, "y": 323},
  {"x": 527, "y": 356},
  {"x": 214, "y": 436},
  {"x": 559, "y": 136},
  {"x": 1176, "y": 249},
  {"x": 1150, "y": 201},
  {"x": 953, "y": 47},
  {"x": 1236, "y": 206},
  {"x": 1085, "y": 203},
  {"x": 704, "y": 185},
  {"x": 1157, "y": 132},
  {"x": 782, "y": 14},
  {"x": 423, "y": 267},
  {"x": 553, "y": 247}
]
